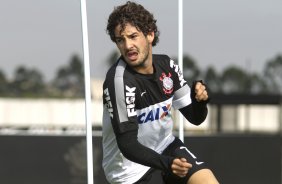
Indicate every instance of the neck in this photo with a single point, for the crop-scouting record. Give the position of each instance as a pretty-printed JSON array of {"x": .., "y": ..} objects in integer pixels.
[{"x": 147, "y": 66}]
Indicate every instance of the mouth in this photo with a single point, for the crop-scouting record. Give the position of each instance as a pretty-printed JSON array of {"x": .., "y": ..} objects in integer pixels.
[{"x": 132, "y": 55}]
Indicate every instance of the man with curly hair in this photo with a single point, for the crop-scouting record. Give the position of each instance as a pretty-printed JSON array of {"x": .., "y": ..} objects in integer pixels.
[{"x": 138, "y": 93}]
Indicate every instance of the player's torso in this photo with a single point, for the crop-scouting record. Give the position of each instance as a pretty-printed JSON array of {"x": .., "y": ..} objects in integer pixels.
[
  {"x": 153, "y": 102},
  {"x": 145, "y": 100}
]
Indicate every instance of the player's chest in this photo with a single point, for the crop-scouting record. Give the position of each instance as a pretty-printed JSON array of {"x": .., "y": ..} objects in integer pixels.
[{"x": 153, "y": 91}]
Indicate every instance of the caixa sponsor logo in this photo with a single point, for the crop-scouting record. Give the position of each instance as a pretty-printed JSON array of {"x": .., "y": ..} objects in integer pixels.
[{"x": 154, "y": 114}]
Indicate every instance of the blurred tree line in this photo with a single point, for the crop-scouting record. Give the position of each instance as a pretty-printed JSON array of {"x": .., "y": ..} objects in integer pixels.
[
  {"x": 69, "y": 79},
  {"x": 68, "y": 82},
  {"x": 236, "y": 80}
]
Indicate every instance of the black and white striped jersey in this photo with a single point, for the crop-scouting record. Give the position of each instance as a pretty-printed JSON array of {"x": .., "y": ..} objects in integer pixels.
[{"x": 136, "y": 101}]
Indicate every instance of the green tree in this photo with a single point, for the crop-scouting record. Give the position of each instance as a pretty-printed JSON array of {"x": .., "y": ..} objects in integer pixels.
[
  {"x": 212, "y": 79},
  {"x": 273, "y": 75},
  {"x": 235, "y": 80},
  {"x": 3, "y": 84},
  {"x": 69, "y": 80},
  {"x": 257, "y": 84},
  {"x": 191, "y": 70},
  {"x": 27, "y": 82}
]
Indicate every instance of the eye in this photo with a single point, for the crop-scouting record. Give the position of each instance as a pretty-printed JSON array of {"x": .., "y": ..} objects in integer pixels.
[
  {"x": 134, "y": 36},
  {"x": 119, "y": 40}
]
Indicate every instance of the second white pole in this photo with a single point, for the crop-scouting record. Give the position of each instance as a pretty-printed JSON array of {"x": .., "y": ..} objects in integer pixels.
[
  {"x": 180, "y": 60},
  {"x": 89, "y": 145}
]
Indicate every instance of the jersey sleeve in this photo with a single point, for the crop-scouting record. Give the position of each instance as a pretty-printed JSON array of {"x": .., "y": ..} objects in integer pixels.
[
  {"x": 119, "y": 98},
  {"x": 181, "y": 96}
]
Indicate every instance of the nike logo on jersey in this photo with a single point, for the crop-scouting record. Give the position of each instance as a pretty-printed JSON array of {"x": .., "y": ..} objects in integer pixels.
[
  {"x": 154, "y": 114},
  {"x": 188, "y": 151},
  {"x": 143, "y": 93},
  {"x": 199, "y": 163}
]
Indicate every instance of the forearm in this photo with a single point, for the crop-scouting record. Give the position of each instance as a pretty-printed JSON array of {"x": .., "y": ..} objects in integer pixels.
[
  {"x": 136, "y": 152},
  {"x": 195, "y": 113}
]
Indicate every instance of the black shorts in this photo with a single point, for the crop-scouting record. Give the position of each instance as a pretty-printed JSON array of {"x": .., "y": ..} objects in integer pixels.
[{"x": 175, "y": 149}]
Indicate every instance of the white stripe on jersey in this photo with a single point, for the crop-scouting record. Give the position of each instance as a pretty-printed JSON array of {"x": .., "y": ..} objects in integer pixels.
[{"x": 182, "y": 97}]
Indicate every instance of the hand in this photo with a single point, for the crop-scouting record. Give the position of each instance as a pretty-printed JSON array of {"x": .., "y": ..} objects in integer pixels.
[
  {"x": 201, "y": 92},
  {"x": 180, "y": 167}
]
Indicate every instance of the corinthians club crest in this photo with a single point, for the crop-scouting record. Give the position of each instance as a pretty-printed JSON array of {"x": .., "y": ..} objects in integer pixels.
[{"x": 167, "y": 83}]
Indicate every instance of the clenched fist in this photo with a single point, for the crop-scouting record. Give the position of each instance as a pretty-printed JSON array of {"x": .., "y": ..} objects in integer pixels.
[
  {"x": 201, "y": 93},
  {"x": 180, "y": 167}
]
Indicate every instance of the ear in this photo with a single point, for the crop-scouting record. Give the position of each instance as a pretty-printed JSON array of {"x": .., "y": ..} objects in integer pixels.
[{"x": 151, "y": 36}]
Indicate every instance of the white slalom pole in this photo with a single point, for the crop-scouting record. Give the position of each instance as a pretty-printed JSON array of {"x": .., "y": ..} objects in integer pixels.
[
  {"x": 180, "y": 60},
  {"x": 89, "y": 145}
]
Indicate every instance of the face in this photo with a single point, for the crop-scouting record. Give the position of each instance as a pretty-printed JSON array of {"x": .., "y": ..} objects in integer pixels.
[{"x": 135, "y": 47}]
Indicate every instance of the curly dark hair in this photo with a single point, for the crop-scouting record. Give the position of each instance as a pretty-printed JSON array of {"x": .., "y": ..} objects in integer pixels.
[{"x": 136, "y": 15}]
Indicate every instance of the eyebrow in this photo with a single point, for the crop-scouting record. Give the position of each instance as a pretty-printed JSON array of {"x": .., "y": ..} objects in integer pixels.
[{"x": 134, "y": 33}]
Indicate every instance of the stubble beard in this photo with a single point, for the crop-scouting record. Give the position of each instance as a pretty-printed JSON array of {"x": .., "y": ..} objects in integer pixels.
[{"x": 143, "y": 61}]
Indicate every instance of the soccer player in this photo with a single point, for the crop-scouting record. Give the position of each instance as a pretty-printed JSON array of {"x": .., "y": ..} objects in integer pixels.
[{"x": 138, "y": 93}]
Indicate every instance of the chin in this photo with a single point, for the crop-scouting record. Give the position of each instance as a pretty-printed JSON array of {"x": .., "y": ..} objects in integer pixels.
[{"x": 133, "y": 62}]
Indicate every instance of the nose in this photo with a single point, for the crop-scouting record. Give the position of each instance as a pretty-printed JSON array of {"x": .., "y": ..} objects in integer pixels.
[{"x": 128, "y": 44}]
